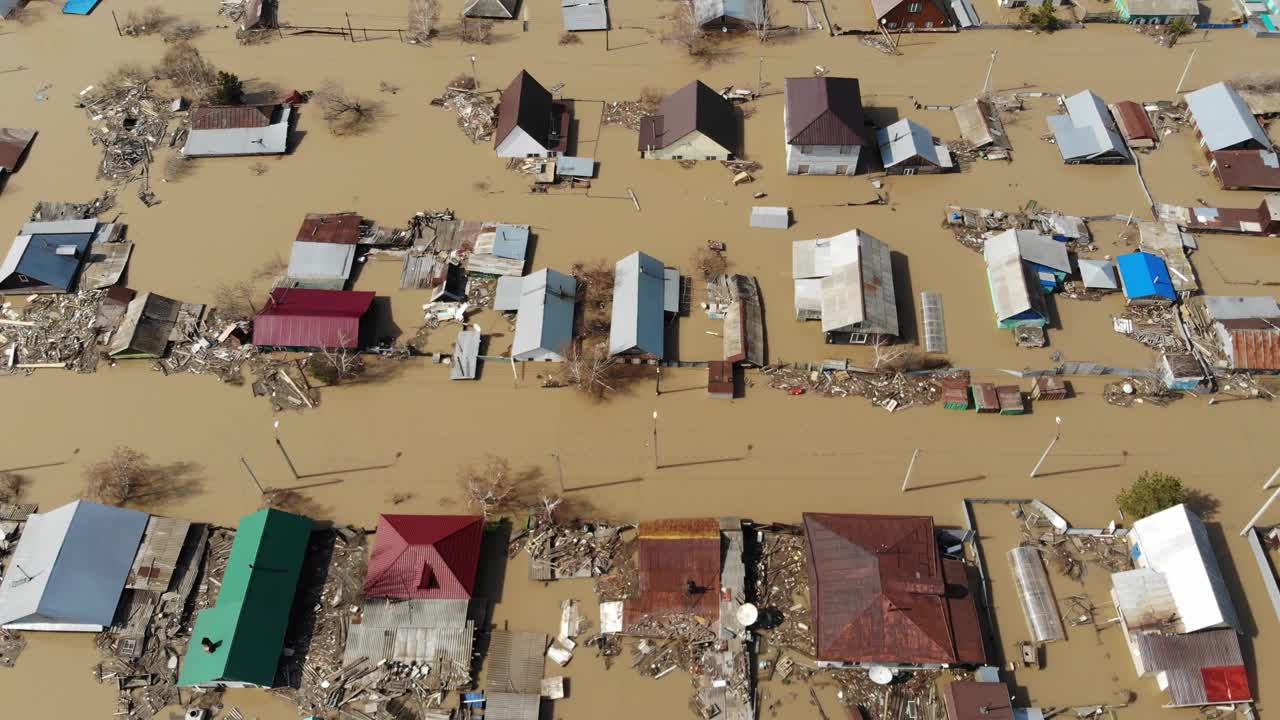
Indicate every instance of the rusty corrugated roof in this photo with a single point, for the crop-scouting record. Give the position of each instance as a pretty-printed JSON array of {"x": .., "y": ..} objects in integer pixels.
[
  {"x": 971, "y": 700},
  {"x": 338, "y": 228},
  {"x": 235, "y": 116},
  {"x": 13, "y": 144},
  {"x": 1133, "y": 121},
  {"x": 1254, "y": 169},
  {"x": 1255, "y": 343},
  {"x": 672, "y": 554},
  {"x": 824, "y": 111}
]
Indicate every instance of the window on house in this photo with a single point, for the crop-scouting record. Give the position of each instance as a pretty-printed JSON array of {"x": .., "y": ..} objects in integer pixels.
[
  {"x": 910, "y": 25},
  {"x": 929, "y": 24},
  {"x": 677, "y": 157},
  {"x": 427, "y": 581},
  {"x": 846, "y": 149},
  {"x": 915, "y": 7},
  {"x": 806, "y": 149},
  {"x": 893, "y": 25},
  {"x": 802, "y": 170},
  {"x": 711, "y": 157}
]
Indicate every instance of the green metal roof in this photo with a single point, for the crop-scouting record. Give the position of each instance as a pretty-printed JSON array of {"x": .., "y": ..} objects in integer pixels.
[{"x": 248, "y": 622}]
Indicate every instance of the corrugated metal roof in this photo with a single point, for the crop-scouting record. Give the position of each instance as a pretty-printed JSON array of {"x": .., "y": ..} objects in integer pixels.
[
  {"x": 693, "y": 107},
  {"x": 146, "y": 327},
  {"x": 1165, "y": 8},
  {"x": 411, "y": 631},
  {"x": 304, "y": 318},
  {"x": 1175, "y": 543},
  {"x": 1224, "y": 119},
  {"x": 584, "y": 15},
  {"x": 508, "y": 241},
  {"x": 1087, "y": 131},
  {"x": 970, "y": 700},
  {"x": 272, "y": 139},
  {"x": 466, "y": 348},
  {"x": 1241, "y": 307},
  {"x": 1132, "y": 118},
  {"x": 980, "y": 126},
  {"x": 341, "y": 228},
  {"x": 905, "y": 140},
  {"x": 59, "y": 227},
  {"x": 13, "y": 141},
  {"x": 824, "y": 111},
  {"x": 1098, "y": 274},
  {"x": 35, "y": 256},
  {"x": 638, "y": 324},
  {"x": 525, "y": 104},
  {"x": 745, "y": 11},
  {"x": 859, "y": 296},
  {"x": 544, "y": 320},
  {"x": 512, "y": 706},
  {"x": 1254, "y": 344},
  {"x": 70, "y": 566},
  {"x": 515, "y": 662},
  {"x": 1032, "y": 247},
  {"x": 776, "y": 218},
  {"x": 1200, "y": 668},
  {"x": 500, "y": 9},
  {"x": 248, "y": 622},
  {"x": 673, "y": 553},
  {"x": 877, "y": 590},
  {"x": 157, "y": 556},
  {"x": 321, "y": 261},
  {"x": 1144, "y": 275},
  {"x": 232, "y": 117},
  {"x": 1248, "y": 169},
  {"x": 506, "y": 298},
  {"x": 1007, "y": 276},
  {"x": 425, "y": 556},
  {"x": 744, "y": 323},
  {"x": 671, "y": 290}
]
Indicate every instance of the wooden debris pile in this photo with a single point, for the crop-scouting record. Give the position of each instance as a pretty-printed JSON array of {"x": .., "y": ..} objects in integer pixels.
[
  {"x": 131, "y": 122},
  {"x": 889, "y": 389},
  {"x": 476, "y": 111},
  {"x": 914, "y": 697},
  {"x": 782, "y": 585},
  {"x": 1152, "y": 325},
  {"x": 52, "y": 331},
  {"x": 628, "y": 113},
  {"x": 560, "y": 550},
  {"x": 674, "y": 642},
  {"x": 1071, "y": 555},
  {"x": 12, "y": 643},
  {"x": 1132, "y": 391},
  {"x": 971, "y": 226},
  {"x": 1243, "y": 385}
]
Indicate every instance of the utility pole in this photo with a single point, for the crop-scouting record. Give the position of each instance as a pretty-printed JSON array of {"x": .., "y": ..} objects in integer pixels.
[
  {"x": 657, "y": 380},
  {"x": 655, "y": 440},
  {"x": 1271, "y": 479},
  {"x": 1185, "y": 70},
  {"x": 1057, "y": 433},
  {"x": 910, "y": 466},
  {"x": 760, "y": 77},
  {"x": 472, "y": 58},
  {"x": 986, "y": 84}
]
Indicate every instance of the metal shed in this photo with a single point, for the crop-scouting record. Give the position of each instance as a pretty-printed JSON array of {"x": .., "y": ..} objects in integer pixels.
[
  {"x": 1036, "y": 595},
  {"x": 906, "y": 144},
  {"x": 466, "y": 351},
  {"x": 512, "y": 706},
  {"x": 985, "y": 398},
  {"x": 1098, "y": 274},
  {"x": 980, "y": 125},
  {"x": 638, "y": 325},
  {"x": 776, "y": 218},
  {"x": 575, "y": 167},
  {"x": 1011, "y": 401},
  {"x": 320, "y": 265},
  {"x": 582, "y": 15},
  {"x": 515, "y": 662}
]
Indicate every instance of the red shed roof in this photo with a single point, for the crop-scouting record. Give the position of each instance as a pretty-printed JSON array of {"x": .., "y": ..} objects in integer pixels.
[
  {"x": 971, "y": 700},
  {"x": 306, "y": 318},
  {"x": 431, "y": 557},
  {"x": 880, "y": 594},
  {"x": 1134, "y": 122},
  {"x": 233, "y": 116},
  {"x": 339, "y": 228},
  {"x": 673, "y": 553}
]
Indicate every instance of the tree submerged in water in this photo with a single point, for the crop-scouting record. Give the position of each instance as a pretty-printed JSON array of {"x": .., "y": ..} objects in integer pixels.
[
  {"x": 1042, "y": 17},
  {"x": 1151, "y": 493}
]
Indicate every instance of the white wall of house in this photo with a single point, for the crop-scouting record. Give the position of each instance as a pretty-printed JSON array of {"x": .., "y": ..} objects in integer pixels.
[
  {"x": 694, "y": 146},
  {"x": 519, "y": 144},
  {"x": 540, "y": 354},
  {"x": 822, "y": 159}
]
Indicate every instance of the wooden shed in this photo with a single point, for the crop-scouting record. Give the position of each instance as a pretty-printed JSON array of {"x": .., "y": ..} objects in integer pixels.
[
  {"x": 1010, "y": 398},
  {"x": 955, "y": 393},
  {"x": 1049, "y": 387},
  {"x": 720, "y": 380}
]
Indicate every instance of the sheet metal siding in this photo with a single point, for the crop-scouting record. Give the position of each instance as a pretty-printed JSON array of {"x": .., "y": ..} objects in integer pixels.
[
  {"x": 317, "y": 260},
  {"x": 1036, "y": 595},
  {"x": 515, "y": 662},
  {"x": 162, "y": 542},
  {"x": 638, "y": 324},
  {"x": 465, "y": 350},
  {"x": 1223, "y": 119},
  {"x": 512, "y": 706}
]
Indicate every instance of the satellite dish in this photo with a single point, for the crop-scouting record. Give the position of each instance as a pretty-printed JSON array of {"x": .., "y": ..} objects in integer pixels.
[
  {"x": 880, "y": 674},
  {"x": 747, "y": 615}
]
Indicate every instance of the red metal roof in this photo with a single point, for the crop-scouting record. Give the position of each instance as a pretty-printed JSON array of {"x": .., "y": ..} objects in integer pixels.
[
  {"x": 339, "y": 228},
  {"x": 1226, "y": 683},
  {"x": 879, "y": 593},
  {"x": 673, "y": 553},
  {"x": 971, "y": 700},
  {"x": 432, "y": 557},
  {"x": 235, "y": 116},
  {"x": 1133, "y": 121},
  {"x": 306, "y": 318},
  {"x": 1255, "y": 343},
  {"x": 1247, "y": 169}
]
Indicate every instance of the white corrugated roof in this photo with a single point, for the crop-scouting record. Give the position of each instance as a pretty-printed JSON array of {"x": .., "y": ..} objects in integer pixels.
[
  {"x": 1175, "y": 543},
  {"x": 1241, "y": 307},
  {"x": 1145, "y": 601},
  {"x": 1008, "y": 281}
]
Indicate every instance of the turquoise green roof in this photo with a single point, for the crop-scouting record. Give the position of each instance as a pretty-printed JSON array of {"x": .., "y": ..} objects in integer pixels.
[{"x": 248, "y": 622}]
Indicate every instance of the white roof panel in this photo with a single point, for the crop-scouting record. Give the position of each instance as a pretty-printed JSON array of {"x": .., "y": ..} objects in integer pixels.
[{"x": 1175, "y": 543}]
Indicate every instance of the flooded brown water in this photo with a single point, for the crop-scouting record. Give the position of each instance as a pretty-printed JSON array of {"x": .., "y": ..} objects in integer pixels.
[{"x": 777, "y": 456}]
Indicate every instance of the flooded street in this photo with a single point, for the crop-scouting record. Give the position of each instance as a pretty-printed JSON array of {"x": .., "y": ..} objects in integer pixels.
[{"x": 767, "y": 456}]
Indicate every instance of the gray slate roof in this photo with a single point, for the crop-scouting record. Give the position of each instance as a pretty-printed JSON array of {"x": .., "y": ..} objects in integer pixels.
[
  {"x": 1087, "y": 131},
  {"x": 1224, "y": 118},
  {"x": 323, "y": 266},
  {"x": 638, "y": 323},
  {"x": 71, "y": 565}
]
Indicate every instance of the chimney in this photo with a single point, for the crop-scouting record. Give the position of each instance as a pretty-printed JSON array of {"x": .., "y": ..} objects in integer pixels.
[{"x": 67, "y": 251}]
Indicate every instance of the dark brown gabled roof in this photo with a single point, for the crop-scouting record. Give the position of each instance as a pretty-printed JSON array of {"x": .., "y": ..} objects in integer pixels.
[
  {"x": 824, "y": 111},
  {"x": 229, "y": 117},
  {"x": 524, "y": 104},
  {"x": 693, "y": 107},
  {"x": 970, "y": 700},
  {"x": 1253, "y": 169}
]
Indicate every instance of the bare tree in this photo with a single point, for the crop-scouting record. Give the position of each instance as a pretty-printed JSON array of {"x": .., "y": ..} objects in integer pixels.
[
  {"x": 11, "y": 487},
  {"x": 184, "y": 66},
  {"x": 762, "y": 20},
  {"x": 570, "y": 38},
  {"x": 333, "y": 366},
  {"x": 592, "y": 371},
  {"x": 128, "y": 477},
  {"x": 345, "y": 113},
  {"x": 291, "y": 501},
  {"x": 492, "y": 488},
  {"x": 424, "y": 20},
  {"x": 234, "y": 301},
  {"x": 685, "y": 32},
  {"x": 477, "y": 31},
  {"x": 147, "y": 21}
]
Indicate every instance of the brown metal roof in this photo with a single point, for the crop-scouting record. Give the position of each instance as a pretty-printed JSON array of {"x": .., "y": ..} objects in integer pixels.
[
  {"x": 229, "y": 117},
  {"x": 1133, "y": 121},
  {"x": 971, "y": 700},
  {"x": 672, "y": 554},
  {"x": 524, "y": 104},
  {"x": 13, "y": 143},
  {"x": 1201, "y": 667},
  {"x": 338, "y": 228},
  {"x": 1251, "y": 169},
  {"x": 720, "y": 377},
  {"x": 878, "y": 591},
  {"x": 985, "y": 398},
  {"x": 693, "y": 107},
  {"x": 824, "y": 111},
  {"x": 966, "y": 627},
  {"x": 1255, "y": 343}
]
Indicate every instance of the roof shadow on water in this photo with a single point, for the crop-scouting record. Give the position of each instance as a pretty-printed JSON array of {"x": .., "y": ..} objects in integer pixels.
[
  {"x": 1248, "y": 626},
  {"x": 908, "y": 331},
  {"x": 302, "y": 619}
]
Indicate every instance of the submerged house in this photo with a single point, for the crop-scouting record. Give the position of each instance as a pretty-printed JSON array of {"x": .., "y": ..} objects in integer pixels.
[
  {"x": 882, "y": 594},
  {"x": 729, "y": 14},
  {"x": 1223, "y": 120},
  {"x": 1157, "y": 12},
  {"x": 1246, "y": 169},
  {"x": 826, "y": 129},
  {"x": 47, "y": 257},
  {"x": 1047, "y": 257},
  {"x": 320, "y": 265},
  {"x": 544, "y": 316},
  {"x": 238, "y": 130},
  {"x": 1247, "y": 330},
  {"x": 238, "y": 641},
  {"x": 912, "y": 14},
  {"x": 1087, "y": 133},
  {"x": 1134, "y": 123},
  {"x": 693, "y": 123},
  {"x": 150, "y": 323},
  {"x": 70, "y": 568},
  {"x": 1146, "y": 279},
  {"x": 907, "y": 148},
  {"x": 580, "y": 15},
  {"x": 304, "y": 319},
  {"x": 638, "y": 325},
  {"x": 1176, "y": 612},
  {"x": 678, "y": 571},
  {"x": 530, "y": 123},
  {"x": 980, "y": 125},
  {"x": 846, "y": 281},
  {"x": 1017, "y": 292}
]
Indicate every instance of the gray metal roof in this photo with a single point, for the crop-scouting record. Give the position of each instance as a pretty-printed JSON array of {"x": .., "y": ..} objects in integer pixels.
[
  {"x": 1087, "y": 131},
  {"x": 465, "y": 351},
  {"x": 671, "y": 290},
  {"x": 70, "y": 567},
  {"x": 512, "y": 706},
  {"x": 980, "y": 126},
  {"x": 501, "y": 9},
  {"x": 906, "y": 140},
  {"x": 818, "y": 258},
  {"x": 1175, "y": 8},
  {"x": 584, "y": 15},
  {"x": 747, "y": 11},
  {"x": 859, "y": 296},
  {"x": 544, "y": 320},
  {"x": 569, "y": 166},
  {"x": 777, "y": 218},
  {"x": 1098, "y": 274},
  {"x": 59, "y": 227},
  {"x": 1009, "y": 292},
  {"x": 8, "y": 6},
  {"x": 1223, "y": 118},
  {"x": 506, "y": 298},
  {"x": 1241, "y": 307},
  {"x": 311, "y": 261},
  {"x": 638, "y": 324},
  {"x": 511, "y": 241},
  {"x": 411, "y": 631},
  {"x": 272, "y": 139},
  {"x": 147, "y": 324},
  {"x": 1033, "y": 247}
]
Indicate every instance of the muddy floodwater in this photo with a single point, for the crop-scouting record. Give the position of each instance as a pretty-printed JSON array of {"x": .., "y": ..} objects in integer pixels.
[{"x": 767, "y": 456}]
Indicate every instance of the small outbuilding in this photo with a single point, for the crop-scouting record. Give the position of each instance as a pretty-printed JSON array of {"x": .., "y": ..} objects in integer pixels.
[
  {"x": 466, "y": 353},
  {"x": 343, "y": 228},
  {"x": 692, "y": 123},
  {"x": 1047, "y": 257},
  {"x": 580, "y": 15},
  {"x": 1016, "y": 291},
  {"x": 1133, "y": 121},
  {"x": 907, "y": 149},
  {"x": 304, "y": 319},
  {"x": 238, "y": 130},
  {"x": 1098, "y": 274},
  {"x": 1087, "y": 133},
  {"x": 980, "y": 125},
  {"x": 1146, "y": 279},
  {"x": 544, "y": 316},
  {"x": 729, "y": 14},
  {"x": 530, "y": 123},
  {"x": 776, "y": 218},
  {"x": 638, "y": 325},
  {"x": 912, "y": 15},
  {"x": 150, "y": 323},
  {"x": 496, "y": 9}
]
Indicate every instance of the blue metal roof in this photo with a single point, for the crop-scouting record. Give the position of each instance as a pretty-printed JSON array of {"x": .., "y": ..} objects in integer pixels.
[
  {"x": 79, "y": 7},
  {"x": 638, "y": 322},
  {"x": 40, "y": 259},
  {"x": 511, "y": 241},
  {"x": 1145, "y": 276}
]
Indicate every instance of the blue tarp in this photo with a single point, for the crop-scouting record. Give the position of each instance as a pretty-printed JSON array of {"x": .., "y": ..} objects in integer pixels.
[
  {"x": 79, "y": 7},
  {"x": 1145, "y": 276}
]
